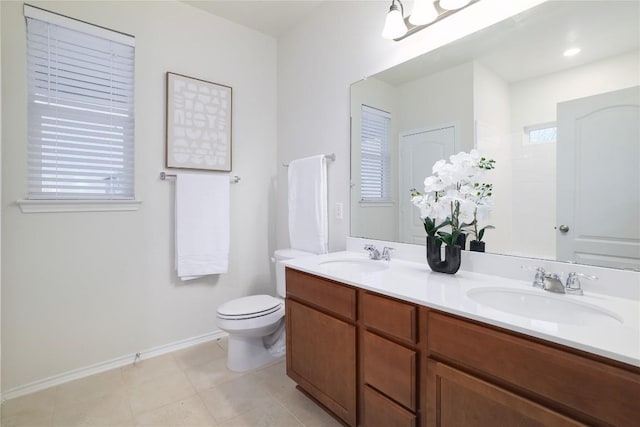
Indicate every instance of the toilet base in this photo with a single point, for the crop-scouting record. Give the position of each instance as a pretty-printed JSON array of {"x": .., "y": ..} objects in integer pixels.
[{"x": 247, "y": 353}]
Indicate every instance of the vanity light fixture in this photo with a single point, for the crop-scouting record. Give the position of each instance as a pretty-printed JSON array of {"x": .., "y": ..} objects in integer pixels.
[
  {"x": 424, "y": 13},
  {"x": 394, "y": 25},
  {"x": 453, "y": 4}
]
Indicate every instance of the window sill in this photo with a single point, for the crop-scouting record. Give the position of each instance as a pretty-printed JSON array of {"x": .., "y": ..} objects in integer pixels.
[
  {"x": 41, "y": 206},
  {"x": 364, "y": 204}
]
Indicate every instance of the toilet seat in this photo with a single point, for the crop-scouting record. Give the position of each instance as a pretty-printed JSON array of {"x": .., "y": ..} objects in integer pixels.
[{"x": 249, "y": 307}]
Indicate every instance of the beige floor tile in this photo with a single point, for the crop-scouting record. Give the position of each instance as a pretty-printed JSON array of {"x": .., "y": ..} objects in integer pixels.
[
  {"x": 186, "y": 412},
  {"x": 160, "y": 391},
  {"x": 306, "y": 410},
  {"x": 33, "y": 410},
  {"x": 223, "y": 343},
  {"x": 233, "y": 398},
  {"x": 110, "y": 410},
  {"x": 276, "y": 379},
  {"x": 199, "y": 354},
  {"x": 192, "y": 387},
  {"x": 90, "y": 388},
  {"x": 148, "y": 369},
  {"x": 211, "y": 374},
  {"x": 275, "y": 415}
]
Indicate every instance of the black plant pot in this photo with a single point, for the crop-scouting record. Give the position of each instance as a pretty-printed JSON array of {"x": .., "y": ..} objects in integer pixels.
[
  {"x": 462, "y": 240},
  {"x": 451, "y": 262},
  {"x": 476, "y": 246}
]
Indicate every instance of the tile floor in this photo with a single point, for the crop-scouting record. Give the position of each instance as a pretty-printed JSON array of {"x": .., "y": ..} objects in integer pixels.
[{"x": 191, "y": 387}]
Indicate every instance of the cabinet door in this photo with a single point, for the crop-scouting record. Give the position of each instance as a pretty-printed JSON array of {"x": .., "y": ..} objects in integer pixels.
[
  {"x": 321, "y": 358},
  {"x": 455, "y": 399}
]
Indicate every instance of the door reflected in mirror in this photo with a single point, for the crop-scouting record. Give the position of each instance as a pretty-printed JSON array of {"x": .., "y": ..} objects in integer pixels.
[{"x": 564, "y": 132}]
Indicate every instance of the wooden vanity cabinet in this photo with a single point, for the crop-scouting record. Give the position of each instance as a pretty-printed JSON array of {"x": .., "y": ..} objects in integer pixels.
[
  {"x": 376, "y": 361},
  {"x": 477, "y": 373},
  {"x": 460, "y": 399},
  {"x": 321, "y": 341}
]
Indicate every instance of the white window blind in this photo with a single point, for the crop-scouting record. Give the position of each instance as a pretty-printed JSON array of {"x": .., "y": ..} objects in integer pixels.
[
  {"x": 80, "y": 110},
  {"x": 375, "y": 156}
]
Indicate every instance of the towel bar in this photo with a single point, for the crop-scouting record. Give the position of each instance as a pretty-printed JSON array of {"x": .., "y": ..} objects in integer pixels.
[
  {"x": 168, "y": 176},
  {"x": 331, "y": 157}
]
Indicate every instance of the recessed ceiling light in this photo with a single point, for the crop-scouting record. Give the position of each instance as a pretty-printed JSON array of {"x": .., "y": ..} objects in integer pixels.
[{"x": 572, "y": 51}]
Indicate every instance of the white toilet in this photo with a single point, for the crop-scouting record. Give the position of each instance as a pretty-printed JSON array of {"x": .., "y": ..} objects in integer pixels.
[{"x": 255, "y": 324}]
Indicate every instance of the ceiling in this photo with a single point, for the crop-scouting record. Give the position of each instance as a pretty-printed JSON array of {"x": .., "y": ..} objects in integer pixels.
[
  {"x": 269, "y": 17},
  {"x": 531, "y": 44}
]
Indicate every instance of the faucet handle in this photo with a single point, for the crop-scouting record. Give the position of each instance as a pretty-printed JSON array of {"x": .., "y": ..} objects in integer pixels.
[
  {"x": 386, "y": 253},
  {"x": 573, "y": 285},
  {"x": 373, "y": 251},
  {"x": 538, "y": 279}
]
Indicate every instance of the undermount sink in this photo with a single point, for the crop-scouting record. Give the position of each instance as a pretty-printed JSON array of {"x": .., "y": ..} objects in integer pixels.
[
  {"x": 354, "y": 265},
  {"x": 540, "y": 305}
]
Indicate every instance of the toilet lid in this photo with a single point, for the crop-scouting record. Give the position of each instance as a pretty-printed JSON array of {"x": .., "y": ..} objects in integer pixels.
[{"x": 254, "y": 305}]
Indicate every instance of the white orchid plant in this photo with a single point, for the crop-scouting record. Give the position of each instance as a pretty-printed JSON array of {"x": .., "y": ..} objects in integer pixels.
[{"x": 455, "y": 196}]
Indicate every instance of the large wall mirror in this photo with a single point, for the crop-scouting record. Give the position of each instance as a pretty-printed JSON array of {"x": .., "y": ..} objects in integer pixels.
[{"x": 563, "y": 129}]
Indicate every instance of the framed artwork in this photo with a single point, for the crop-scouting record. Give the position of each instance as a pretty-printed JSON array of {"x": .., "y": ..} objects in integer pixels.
[{"x": 198, "y": 124}]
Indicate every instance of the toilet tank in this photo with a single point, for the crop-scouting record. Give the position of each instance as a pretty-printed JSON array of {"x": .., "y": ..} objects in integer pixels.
[{"x": 283, "y": 255}]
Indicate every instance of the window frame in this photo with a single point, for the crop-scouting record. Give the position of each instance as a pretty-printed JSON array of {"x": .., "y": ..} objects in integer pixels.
[
  {"x": 35, "y": 202},
  {"x": 540, "y": 126}
]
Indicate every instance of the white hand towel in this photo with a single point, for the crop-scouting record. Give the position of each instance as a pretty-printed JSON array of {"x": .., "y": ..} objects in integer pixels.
[
  {"x": 202, "y": 225},
  {"x": 308, "y": 218}
]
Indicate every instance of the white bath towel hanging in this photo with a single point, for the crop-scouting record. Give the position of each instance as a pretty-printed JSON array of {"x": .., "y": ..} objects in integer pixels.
[
  {"x": 202, "y": 225},
  {"x": 308, "y": 217}
]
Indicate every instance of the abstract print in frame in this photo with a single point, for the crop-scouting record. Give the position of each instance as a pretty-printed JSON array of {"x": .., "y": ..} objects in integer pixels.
[{"x": 198, "y": 124}]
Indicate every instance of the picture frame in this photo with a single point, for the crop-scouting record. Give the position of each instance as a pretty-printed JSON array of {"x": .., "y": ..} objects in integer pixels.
[{"x": 198, "y": 124}]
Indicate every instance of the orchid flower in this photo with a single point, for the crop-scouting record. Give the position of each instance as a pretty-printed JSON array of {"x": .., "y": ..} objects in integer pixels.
[{"x": 454, "y": 195}]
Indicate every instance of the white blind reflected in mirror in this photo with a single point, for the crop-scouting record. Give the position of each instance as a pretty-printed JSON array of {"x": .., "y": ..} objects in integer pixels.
[
  {"x": 81, "y": 110},
  {"x": 375, "y": 156}
]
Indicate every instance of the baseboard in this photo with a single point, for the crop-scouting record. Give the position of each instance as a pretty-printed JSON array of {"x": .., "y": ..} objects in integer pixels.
[{"x": 108, "y": 365}]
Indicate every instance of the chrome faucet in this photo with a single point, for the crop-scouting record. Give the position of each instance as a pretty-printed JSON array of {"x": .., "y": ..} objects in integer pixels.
[
  {"x": 374, "y": 253},
  {"x": 552, "y": 282}
]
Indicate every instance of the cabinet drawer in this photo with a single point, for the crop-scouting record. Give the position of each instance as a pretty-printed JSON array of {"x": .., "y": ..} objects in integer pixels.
[
  {"x": 393, "y": 317},
  {"x": 378, "y": 411},
  {"x": 391, "y": 369},
  {"x": 322, "y": 293},
  {"x": 566, "y": 380}
]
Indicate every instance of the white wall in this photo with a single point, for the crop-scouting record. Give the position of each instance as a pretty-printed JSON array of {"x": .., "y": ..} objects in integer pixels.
[
  {"x": 374, "y": 220},
  {"x": 492, "y": 111},
  {"x": 437, "y": 99},
  {"x": 84, "y": 288},
  {"x": 1, "y": 120},
  {"x": 318, "y": 60}
]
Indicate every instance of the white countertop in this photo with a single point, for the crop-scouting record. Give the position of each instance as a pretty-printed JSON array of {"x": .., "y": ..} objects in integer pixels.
[{"x": 415, "y": 282}]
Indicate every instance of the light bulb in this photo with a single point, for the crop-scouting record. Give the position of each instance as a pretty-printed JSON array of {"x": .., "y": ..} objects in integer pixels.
[
  {"x": 453, "y": 4},
  {"x": 394, "y": 26},
  {"x": 424, "y": 12}
]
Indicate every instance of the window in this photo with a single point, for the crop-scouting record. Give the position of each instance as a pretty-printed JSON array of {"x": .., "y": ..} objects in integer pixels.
[
  {"x": 80, "y": 109},
  {"x": 545, "y": 133},
  {"x": 375, "y": 156}
]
